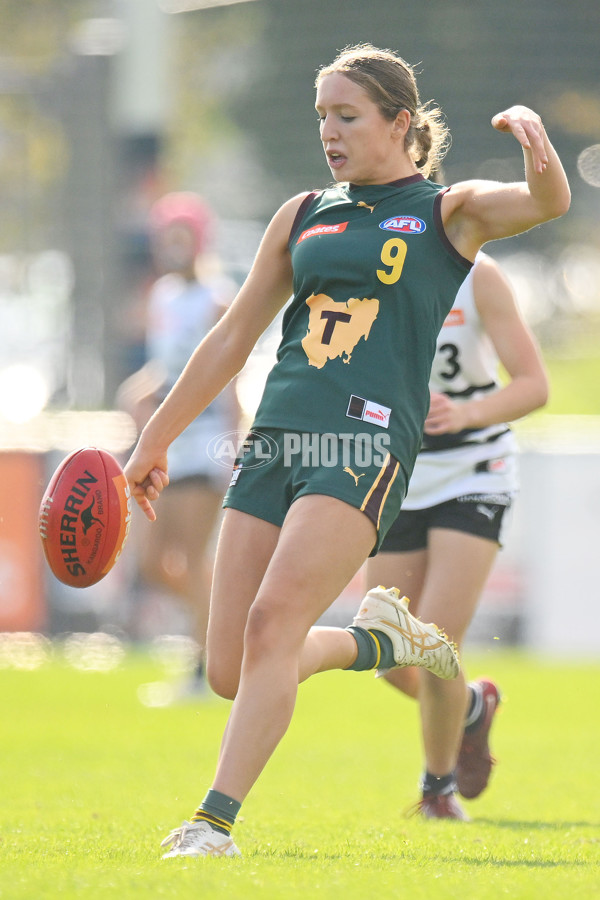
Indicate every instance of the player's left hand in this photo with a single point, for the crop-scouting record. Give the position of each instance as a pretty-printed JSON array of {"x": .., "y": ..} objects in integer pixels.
[
  {"x": 445, "y": 416},
  {"x": 527, "y": 127}
]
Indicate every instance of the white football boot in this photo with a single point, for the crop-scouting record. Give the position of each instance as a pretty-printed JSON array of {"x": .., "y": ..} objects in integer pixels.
[
  {"x": 198, "y": 839},
  {"x": 415, "y": 643}
]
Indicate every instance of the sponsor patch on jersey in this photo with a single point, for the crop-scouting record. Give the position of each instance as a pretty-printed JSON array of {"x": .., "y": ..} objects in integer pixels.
[
  {"x": 404, "y": 224},
  {"x": 235, "y": 474},
  {"x": 319, "y": 230},
  {"x": 492, "y": 465},
  {"x": 496, "y": 499},
  {"x": 368, "y": 411},
  {"x": 454, "y": 317}
]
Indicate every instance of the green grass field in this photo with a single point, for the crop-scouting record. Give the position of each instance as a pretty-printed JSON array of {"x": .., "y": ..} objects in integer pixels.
[{"x": 92, "y": 781}]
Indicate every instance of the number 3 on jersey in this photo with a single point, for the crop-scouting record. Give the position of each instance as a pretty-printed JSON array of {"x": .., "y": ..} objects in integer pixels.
[
  {"x": 451, "y": 353},
  {"x": 393, "y": 254}
]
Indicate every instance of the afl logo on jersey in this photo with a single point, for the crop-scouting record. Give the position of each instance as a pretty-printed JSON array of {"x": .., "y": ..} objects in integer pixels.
[{"x": 404, "y": 224}]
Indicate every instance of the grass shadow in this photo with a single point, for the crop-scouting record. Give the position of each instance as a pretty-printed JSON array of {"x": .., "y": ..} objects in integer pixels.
[
  {"x": 497, "y": 863},
  {"x": 535, "y": 824}
]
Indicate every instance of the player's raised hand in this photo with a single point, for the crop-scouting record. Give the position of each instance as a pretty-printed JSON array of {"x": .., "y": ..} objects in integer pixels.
[{"x": 527, "y": 127}]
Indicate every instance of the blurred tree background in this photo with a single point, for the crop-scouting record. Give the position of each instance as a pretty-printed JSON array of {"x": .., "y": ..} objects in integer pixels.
[{"x": 105, "y": 104}]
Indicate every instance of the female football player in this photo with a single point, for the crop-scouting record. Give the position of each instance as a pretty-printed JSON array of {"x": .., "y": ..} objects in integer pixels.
[
  {"x": 442, "y": 546},
  {"x": 372, "y": 265}
]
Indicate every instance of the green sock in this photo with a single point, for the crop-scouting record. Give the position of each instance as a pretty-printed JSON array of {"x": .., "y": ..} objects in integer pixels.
[
  {"x": 218, "y": 810},
  {"x": 375, "y": 650}
]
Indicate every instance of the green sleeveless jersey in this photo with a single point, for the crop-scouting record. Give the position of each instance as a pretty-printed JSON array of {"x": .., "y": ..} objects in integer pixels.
[{"x": 374, "y": 278}]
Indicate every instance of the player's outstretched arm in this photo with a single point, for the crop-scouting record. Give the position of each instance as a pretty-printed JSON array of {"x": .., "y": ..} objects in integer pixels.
[
  {"x": 217, "y": 359},
  {"x": 475, "y": 212}
]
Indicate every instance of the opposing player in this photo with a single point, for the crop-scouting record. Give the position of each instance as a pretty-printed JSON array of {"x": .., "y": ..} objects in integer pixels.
[
  {"x": 184, "y": 303},
  {"x": 373, "y": 265},
  {"x": 442, "y": 546}
]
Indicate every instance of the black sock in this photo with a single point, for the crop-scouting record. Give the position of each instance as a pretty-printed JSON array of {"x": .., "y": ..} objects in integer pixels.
[{"x": 438, "y": 784}]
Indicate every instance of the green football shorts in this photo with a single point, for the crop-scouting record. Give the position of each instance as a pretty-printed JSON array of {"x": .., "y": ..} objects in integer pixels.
[{"x": 276, "y": 466}]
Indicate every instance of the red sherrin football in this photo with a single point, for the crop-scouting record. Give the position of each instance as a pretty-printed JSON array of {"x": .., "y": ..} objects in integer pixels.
[{"x": 85, "y": 516}]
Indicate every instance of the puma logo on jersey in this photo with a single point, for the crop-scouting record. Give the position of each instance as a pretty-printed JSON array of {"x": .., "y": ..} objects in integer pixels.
[
  {"x": 366, "y": 205},
  {"x": 356, "y": 477},
  {"x": 487, "y": 511}
]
